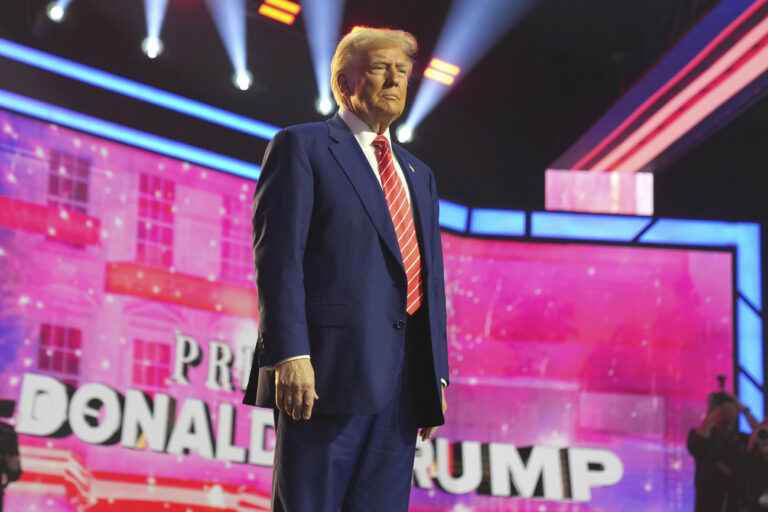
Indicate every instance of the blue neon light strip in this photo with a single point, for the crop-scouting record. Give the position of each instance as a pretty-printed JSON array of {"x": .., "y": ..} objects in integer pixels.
[
  {"x": 752, "y": 397},
  {"x": 497, "y": 222},
  {"x": 750, "y": 352},
  {"x": 136, "y": 90},
  {"x": 744, "y": 235},
  {"x": 587, "y": 227},
  {"x": 64, "y": 117},
  {"x": 453, "y": 216}
]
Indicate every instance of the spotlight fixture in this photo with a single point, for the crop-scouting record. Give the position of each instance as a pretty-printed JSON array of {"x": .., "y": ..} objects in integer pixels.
[
  {"x": 154, "y": 13},
  {"x": 324, "y": 105},
  {"x": 55, "y": 12},
  {"x": 404, "y": 133},
  {"x": 152, "y": 47},
  {"x": 243, "y": 80}
]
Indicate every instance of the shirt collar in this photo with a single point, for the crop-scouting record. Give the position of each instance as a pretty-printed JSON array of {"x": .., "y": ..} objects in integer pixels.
[{"x": 360, "y": 129}]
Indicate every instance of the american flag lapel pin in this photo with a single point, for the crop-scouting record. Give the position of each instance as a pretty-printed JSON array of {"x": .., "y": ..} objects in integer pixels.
[{"x": 411, "y": 167}]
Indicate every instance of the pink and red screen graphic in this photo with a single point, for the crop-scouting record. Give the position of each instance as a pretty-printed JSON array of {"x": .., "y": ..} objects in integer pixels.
[{"x": 576, "y": 369}]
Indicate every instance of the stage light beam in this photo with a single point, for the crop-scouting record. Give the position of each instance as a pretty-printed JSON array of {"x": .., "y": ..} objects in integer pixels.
[
  {"x": 229, "y": 17},
  {"x": 470, "y": 31},
  {"x": 322, "y": 19},
  {"x": 154, "y": 14}
]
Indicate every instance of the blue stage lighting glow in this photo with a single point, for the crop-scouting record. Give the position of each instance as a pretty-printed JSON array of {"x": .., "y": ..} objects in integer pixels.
[
  {"x": 587, "y": 227},
  {"x": 322, "y": 20},
  {"x": 116, "y": 132},
  {"x": 744, "y": 235},
  {"x": 750, "y": 331},
  {"x": 152, "y": 47},
  {"x": 497, "y": 222},
  {"x": 136, "y": 90},
  {"x": 751, "y": 396},
  {"x": 243, "y": 80},
  {"x": 404, "y": 133},
  {"x": 324, "y": 106},
  {"x": 57, "y": 10},
  {"x": 229, "y": 17},
  {"x": 154, "y": 12},
  {"x": 470, "y": 30},
  {"x": 453, "y": 216}
]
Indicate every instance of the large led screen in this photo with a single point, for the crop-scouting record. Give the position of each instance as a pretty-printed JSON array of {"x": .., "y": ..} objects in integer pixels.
[{"x": 128, "y": 321}]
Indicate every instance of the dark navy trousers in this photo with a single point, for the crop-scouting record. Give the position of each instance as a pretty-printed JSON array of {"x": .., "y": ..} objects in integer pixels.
[{"x": 333, "y": 463}]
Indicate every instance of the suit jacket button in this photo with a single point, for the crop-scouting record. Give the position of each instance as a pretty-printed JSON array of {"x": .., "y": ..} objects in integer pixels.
[{"x": 399, "y": 324}]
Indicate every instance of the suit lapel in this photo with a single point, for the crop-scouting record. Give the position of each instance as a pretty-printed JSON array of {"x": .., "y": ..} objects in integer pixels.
[
  {"x": 421, "y": 203},
  {"x": 350, "y": 157}
]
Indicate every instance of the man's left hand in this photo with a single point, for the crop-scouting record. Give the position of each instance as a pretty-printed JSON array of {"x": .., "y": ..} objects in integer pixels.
[{"x": 427, "y": 432}]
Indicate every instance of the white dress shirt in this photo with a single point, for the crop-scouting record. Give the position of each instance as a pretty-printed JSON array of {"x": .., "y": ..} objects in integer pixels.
[{"x": 365, "y": 135}]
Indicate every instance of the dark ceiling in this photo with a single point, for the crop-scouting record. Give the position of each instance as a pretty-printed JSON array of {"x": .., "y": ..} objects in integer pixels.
[{"x": 518, "y": 109}]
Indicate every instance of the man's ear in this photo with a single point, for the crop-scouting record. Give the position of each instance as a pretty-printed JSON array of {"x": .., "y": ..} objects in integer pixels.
[{"x": 341, "y": 81}]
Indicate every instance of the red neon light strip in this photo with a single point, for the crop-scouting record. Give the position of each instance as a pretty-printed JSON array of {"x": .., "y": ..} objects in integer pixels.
[
  {"x": 285, "y": 5},
  {"x": 184, "y": 290},
  {"x": 581, "y": 164},
  {"x": 276, "y": 14},
  {"x": 438, "y": 76},
  {"x": 749, "y": 67},
  {"x": 731, "y": 62},
  {"x": 62, "y": 225}
]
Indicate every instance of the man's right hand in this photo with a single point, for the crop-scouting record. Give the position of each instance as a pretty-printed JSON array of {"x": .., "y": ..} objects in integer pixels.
[{"x": 295, "y": 388}]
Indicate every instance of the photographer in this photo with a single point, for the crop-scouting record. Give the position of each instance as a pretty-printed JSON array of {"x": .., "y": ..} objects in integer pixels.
[
  {"x": 10, "y": 466},
  {"x": 723, "y": 456},
  {"x": 757, "y": 470}
]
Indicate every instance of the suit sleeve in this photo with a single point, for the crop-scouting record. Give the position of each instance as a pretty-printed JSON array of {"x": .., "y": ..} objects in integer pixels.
[
  {"x": 439, "y": 276},
  {"x": 282, "y": 210}
]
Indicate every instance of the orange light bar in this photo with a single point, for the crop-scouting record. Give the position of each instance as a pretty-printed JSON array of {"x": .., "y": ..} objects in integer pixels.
[
  {"x": 357, "y": 27},
  {"x": 438, "y": 76},
  {"x": 276, "y": 14},
  {"x": 285, "y": 5},
  {"x": 445, "y": 67}
]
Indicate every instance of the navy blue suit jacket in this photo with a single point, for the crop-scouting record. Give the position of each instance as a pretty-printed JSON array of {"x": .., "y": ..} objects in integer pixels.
[{"x": 330, "y": 275}]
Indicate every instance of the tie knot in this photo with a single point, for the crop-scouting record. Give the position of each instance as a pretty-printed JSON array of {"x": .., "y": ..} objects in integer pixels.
[{"x": 380, "y": 142}]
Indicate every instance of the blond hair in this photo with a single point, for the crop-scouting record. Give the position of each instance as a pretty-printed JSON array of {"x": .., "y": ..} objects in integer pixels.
[{"x": 363, "y": 39}]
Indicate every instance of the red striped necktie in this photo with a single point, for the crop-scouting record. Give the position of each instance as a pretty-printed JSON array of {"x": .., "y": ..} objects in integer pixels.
[{"x": 400, "y": 210}]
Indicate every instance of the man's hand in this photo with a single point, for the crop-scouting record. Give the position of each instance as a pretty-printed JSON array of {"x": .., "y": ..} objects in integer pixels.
[
  {"x": 427, "y": 432},
  {"x": 295, "y": 388}
]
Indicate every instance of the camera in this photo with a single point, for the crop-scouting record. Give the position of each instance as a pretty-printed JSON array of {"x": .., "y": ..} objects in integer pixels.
[{"x": 761, "y": 434}]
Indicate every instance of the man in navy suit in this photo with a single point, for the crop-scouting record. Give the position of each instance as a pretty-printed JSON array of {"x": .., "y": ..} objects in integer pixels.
[{"x": 352, "y": 351}]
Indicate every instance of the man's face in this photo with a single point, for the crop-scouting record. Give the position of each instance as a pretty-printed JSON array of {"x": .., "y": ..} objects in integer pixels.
[{"x": 377, "y": 84}]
